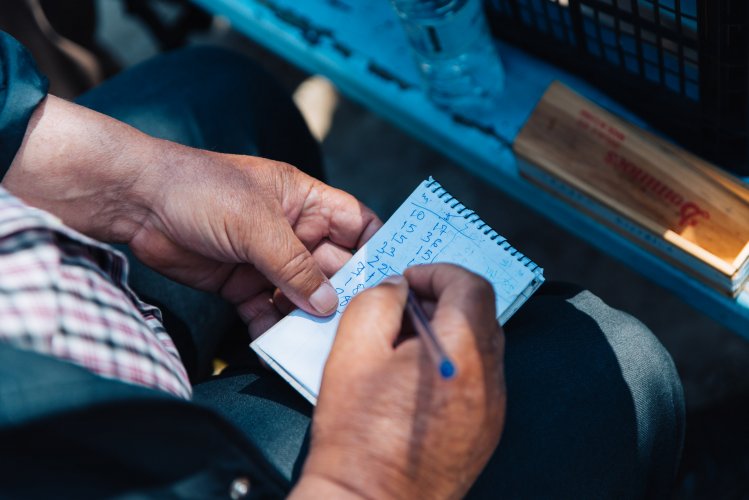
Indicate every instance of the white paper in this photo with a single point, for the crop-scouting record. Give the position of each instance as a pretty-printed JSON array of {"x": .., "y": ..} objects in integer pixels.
[{"x": 429, "y": 227}]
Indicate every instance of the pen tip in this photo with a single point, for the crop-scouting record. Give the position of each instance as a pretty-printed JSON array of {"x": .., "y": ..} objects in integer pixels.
[{"x": 447, "y": 369}]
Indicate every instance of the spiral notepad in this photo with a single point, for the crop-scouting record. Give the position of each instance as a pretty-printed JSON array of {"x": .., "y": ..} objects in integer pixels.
[{"x": 430, "y": 226}]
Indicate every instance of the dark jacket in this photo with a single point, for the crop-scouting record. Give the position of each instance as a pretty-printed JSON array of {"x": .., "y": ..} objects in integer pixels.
[{"x": 67, "y": 433}]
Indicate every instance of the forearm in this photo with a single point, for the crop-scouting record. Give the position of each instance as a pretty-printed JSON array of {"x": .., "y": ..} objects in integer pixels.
[
  {"x": 310, "y": 486},
  {"x": 97, "y": 174},
  {"x": 351, "y": 473}
]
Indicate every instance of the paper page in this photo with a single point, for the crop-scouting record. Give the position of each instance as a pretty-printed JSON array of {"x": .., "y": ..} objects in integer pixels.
[{"x": 429, "y": 227}]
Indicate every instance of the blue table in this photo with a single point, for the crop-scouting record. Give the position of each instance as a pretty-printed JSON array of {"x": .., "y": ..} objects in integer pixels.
[{"x": 360, "y": 46}]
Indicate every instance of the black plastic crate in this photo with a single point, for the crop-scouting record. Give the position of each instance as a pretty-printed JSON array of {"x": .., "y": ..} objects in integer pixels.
[{"x": 680, "y": 64}]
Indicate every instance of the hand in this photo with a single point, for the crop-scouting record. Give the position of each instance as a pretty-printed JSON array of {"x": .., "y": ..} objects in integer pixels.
[
  {"x": 242, "y": 226},
  {"x": 386, "y": 424},
  {"x": 236, "y": 225}
]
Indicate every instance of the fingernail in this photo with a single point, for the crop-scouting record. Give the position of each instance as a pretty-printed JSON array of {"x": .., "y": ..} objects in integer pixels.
[
  {"x": 395, "y": 279},
  {"x": 324, "y": 299}
]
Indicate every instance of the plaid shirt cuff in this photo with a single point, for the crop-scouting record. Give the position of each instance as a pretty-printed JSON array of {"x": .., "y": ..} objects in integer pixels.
[{"x": 66, "y": 295}]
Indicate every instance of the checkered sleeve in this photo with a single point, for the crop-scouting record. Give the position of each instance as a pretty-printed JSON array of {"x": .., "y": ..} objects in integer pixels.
[{"x": 66, "y": 295}]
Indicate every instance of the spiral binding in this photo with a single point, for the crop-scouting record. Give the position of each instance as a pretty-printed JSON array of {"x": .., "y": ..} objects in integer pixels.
[{"x": 455, "y": 204}]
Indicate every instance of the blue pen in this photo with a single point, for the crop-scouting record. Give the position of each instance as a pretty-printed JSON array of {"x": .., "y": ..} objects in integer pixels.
[{"x": 421, "y": 323}]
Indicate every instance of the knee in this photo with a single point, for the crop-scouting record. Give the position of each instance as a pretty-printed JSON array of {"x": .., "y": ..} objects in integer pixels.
[
  {"x": 204, "y": 97},
  {"x": 657, "y": 396},
  {"x": 213, "y": 68},
  {"x": 644, "y": 363},
  {"x": 240, "y": 108},
  {"x": 221, "y": 85},
  {"x": 594, "y": 403}
]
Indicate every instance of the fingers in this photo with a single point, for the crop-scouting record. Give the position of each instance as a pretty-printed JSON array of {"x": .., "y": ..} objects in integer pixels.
[
  {"x": 284, "y": 258},
  {"x": 287, "y": 263},
  {"x": 336, "y": 215},
  {"x": 251, "y": 294},
  {"x": 243, "y": 283},
  {"x": 450, "y": 284},
  {"x": 372, "y": 322},
  {"x": 260, "y": 313},
  {"x": 463, "y": 298},
  {"x": 331, "y": 257},
  {"x": 282, "y": 303},
  {"x": 351, "y": 223}
]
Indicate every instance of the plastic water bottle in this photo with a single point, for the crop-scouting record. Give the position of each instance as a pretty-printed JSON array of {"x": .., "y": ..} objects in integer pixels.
[{"x": 455, "y": 53}]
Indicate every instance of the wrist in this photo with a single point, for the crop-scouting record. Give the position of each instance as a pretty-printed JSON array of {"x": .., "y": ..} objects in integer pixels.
[
  {"x": 89, "y": 170},
  {"x": 314, "y": 486},
  {"x": 360, "y": 474}
]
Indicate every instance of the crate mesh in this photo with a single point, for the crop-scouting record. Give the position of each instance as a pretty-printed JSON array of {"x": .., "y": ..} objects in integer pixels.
[
  {"x": 657, "y": 40},
  {"x": 683, "y": 65}
]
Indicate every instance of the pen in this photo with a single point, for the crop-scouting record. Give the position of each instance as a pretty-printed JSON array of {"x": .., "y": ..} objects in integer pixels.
[{"x": 421, "y": 323}]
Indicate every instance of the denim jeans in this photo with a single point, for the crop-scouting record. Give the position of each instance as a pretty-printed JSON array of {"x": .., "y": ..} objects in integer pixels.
[{"x": 595, "y": 406}]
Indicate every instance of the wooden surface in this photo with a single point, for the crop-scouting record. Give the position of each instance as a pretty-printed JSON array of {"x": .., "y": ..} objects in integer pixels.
[
  {"x": 675, "y": 196},
  {"x": 360, "y": 46}
]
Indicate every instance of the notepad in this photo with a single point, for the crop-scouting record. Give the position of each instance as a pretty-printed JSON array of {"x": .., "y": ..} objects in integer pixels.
[{"x": 430, "y": 226}]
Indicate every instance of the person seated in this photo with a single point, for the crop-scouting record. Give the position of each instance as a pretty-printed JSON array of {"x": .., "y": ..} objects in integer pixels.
[{"x": 105, "y": 395}]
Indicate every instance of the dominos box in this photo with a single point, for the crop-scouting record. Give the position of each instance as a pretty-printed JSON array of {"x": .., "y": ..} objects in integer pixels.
[{"x": 677, "y": 205}]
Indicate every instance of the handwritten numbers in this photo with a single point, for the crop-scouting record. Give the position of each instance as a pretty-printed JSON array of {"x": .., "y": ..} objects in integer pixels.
[
  {"x": 359, "y": 268},
  {"x": 408, "y": 227},
  {"x": 508, "y": 286},
  {"x": 419, "y": 214},
  {"x": 344, "y": 302},
  {"x": 398, "y": 238},
  {"x": 424, "y": 231},
  {"x": 384, "y": 268},
  {"x": 383, "y": 250}
]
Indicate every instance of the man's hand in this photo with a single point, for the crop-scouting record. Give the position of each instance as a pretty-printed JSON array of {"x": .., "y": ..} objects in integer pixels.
[
  {"x": 386, "y": 424},
  {"x": 242, "y": 226},
  {"x": 236, "y": 225}
]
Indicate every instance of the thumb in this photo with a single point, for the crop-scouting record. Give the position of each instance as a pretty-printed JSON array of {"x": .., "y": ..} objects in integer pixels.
[
  {"x": 372, "y": 322},
  {"x": 286, "y": 262}
]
